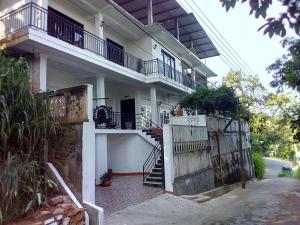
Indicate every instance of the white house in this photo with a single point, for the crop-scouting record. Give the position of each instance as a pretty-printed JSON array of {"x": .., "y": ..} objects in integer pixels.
[{"x": 140, "y": 56}]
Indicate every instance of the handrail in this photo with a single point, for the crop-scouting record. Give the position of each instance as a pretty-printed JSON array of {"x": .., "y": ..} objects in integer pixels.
[{"x": 151, "y": 161}]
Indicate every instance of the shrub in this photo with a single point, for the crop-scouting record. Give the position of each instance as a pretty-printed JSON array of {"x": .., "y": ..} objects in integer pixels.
[
  {"x": 297, "y": 173},
  {"x": 24, "y": 128},
  {"x": 259, "y": 164}
]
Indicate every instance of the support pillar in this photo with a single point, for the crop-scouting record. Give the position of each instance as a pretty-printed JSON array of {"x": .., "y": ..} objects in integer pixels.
[
  {"x": 101, "y": 156},
  {"x": 177, "y": 28},
  {"x": 194, "y": 78},
  {"x": 100, "y": 90},
  {"x": 99, "y": 25},
  {"x": 88, "y": 152},
  {"x": 154, "y": 113},
  {"x": 150, "y": 12},
  {"x": 39, "y": 73}
]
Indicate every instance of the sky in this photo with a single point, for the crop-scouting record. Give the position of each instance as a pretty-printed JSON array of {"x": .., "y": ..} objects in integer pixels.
[{"x": 241, "y": 31}]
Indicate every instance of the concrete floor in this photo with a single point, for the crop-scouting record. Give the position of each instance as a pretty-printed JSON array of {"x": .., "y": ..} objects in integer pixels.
[
  {"x": 125, "y": 191},
  {"x": 270, "y": 201}
]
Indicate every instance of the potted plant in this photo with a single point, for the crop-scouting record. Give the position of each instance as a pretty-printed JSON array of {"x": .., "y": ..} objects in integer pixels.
[
  {"x": 105, "y": 180},
  {"x": 173, "y": 111},
  {"x": 179, "y": 112}
]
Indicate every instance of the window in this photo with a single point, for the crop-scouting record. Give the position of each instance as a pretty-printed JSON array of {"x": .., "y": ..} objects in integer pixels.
[
  {"x": 65, "y": 28},
  {"x": 168, "y": 64},
  {"x": 201, "y": 80}
]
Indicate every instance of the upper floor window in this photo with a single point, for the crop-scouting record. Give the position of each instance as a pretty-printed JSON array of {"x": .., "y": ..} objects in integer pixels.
[
  {"x": 168, "y": 64},
  {"x": 65, "y": 28},
  {"x": 201, "y": 80}
]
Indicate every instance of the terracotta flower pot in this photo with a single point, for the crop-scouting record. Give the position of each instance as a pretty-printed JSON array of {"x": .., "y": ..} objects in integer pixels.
[
  {"x": 106, "y": 183},
  {"x": 179, "y": 113}
]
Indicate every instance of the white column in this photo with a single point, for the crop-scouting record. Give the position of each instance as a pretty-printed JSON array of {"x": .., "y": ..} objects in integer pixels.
[
  {"x": 99, "y": 25},
  {"x": 88, "y": 153},
  {"x": 168, "y": 157},
  {"x": 154, "y": 113},
  {"x": 39, "y": 73},
  {"x": 100, "y": 90},
  {"x": 101, "y": 156},
  {"x": 194, "y": 77},
  {"x": 150, "y": 12}
]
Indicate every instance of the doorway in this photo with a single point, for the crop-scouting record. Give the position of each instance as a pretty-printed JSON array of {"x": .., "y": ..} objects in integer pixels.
[
  {"x": 128, "y": 114},
  {"x": 115, "y": 52}
]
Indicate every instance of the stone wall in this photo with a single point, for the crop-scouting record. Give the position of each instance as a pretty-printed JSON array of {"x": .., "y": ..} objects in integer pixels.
[
  {"x": 59, "y": 210},
  {"x": 226, "y": 159},
  {"x": 206, "y": 157},
  {"x": 65, "y": 152}
]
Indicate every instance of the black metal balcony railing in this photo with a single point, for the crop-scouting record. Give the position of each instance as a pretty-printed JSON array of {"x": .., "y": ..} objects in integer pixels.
[
  {"x": 158, "y": 66},
  {"x": 32, "y": 15}
]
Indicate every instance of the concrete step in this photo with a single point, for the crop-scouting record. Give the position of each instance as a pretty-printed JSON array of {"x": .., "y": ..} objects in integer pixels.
[
  {"x": 153, "y": 184},
  {"x": 155, "y": 179},
  {"x": 155, "y": 174},
  {"x": 158, "y": 166},
  {"x": 159, "y": 170},
  {"x": 202, "y": 198}
]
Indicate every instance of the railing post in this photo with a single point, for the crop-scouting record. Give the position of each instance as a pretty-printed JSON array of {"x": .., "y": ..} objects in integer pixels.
[{"x": 30, "y": 15}]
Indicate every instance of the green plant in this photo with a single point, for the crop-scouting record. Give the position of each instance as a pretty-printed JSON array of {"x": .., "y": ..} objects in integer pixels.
[
  {"x": 259, "y": 164},
  {"x": 24, "y": 128},
  {"x": 297, "y": 173},
  {"x": 105, "y": 177}
]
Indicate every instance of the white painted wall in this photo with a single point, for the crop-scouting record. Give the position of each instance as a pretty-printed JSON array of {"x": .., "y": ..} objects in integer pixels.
[
  {"x": 127, "y": 152},
  {"x": 57, "y": 78},
  {"x": 71, "y": 10},
  {"x": 101, "y": 156}
]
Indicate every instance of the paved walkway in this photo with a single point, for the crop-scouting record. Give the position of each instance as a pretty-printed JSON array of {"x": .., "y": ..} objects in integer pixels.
[
  {"x": 270, "y": 201},
  {"x": 125, "y": 191}
]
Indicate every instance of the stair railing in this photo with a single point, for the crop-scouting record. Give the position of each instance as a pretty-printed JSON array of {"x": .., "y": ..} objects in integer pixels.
[
  {"x": 145, "y": 123},
  {"x": 151, "y": 161}
]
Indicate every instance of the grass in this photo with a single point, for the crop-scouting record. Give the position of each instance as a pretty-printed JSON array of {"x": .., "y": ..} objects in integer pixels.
[
  {"x": 285, "y": 174},
  {"x": 259, "y": 165}
]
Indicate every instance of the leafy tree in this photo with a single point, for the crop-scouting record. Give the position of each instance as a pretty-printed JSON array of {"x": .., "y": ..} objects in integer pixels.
[
  {"x": 273, "y": 25},
  {"x": 286, "y": 70},
  {"x": 248, "y": 88},
  {"x": 270, "y": 114},
  {"x": 213, "y": 101},
  {"x": 286, "y": 73}
]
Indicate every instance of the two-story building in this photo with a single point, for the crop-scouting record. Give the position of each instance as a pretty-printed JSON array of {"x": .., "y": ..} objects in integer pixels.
[{"x": 140, "y": 56}]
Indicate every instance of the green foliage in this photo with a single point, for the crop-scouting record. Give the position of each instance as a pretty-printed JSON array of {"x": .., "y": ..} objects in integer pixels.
[
  {"x": 286, "y": 70},
  {"x": 297, "y": 173},
  {"x": 259, "y": 164},
  {"x": 24, "y": 127},
  {"x": 273, "y": 25},
  {"x": 285, "y": 174},
  {"x": 247, "y": 88},
  {"x": 211, "y": 101}
]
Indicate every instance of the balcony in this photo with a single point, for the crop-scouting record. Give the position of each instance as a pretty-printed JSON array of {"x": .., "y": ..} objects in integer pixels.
[
  {"x": 33, "y": 16},
  {"x": 157, "y": 66}
]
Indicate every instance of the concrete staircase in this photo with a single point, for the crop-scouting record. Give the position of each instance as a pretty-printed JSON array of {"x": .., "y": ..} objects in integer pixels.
[{"x": 153, "y": 170}]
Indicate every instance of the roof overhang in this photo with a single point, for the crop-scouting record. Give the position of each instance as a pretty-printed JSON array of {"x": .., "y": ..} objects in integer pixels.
[
  {"x": 184, "y": 53},
  {"x": 173, "y": 17},
  {"x": 159, "y": 32}
]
